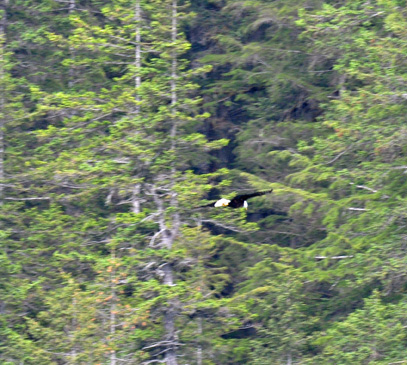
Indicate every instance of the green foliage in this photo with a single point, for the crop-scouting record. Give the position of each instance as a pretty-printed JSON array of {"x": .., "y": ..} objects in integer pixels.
[
  {"x": 372, "y": 334},
  {"x": 119, "y": 123}
]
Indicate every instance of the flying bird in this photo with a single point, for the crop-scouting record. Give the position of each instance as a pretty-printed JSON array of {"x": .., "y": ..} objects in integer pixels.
[{"x": 239, "y": 201}]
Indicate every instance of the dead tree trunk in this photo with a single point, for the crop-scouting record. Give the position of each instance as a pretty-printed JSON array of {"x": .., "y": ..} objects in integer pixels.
[
  {"x": 71, "y": 71},
  {"x": 169, "y": 315},
  {"x": 136, "y": 203},
  {"x": 3, "y": 22}
]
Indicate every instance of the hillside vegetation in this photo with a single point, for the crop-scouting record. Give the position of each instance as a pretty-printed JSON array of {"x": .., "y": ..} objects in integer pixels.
[{"x": 118, "y": 118}]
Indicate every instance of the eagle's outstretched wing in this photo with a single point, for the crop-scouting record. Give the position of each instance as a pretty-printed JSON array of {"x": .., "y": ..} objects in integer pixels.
[{"x": 238, "y": 200}]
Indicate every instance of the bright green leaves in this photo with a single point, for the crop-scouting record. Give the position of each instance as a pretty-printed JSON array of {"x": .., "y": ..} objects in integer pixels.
[
  {"x": 352, "y": 160},
  {"x": 373, "y": 333},
  {"x": 110, "y": 148}
]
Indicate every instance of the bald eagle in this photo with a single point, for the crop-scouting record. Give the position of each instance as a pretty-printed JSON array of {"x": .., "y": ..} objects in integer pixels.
[{"x": 239, "y": 201}]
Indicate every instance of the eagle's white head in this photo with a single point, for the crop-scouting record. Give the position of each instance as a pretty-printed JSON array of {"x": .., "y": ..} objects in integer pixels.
[
  {"x": 222, "y": 202},
  {"x": 245, "y": 205}
]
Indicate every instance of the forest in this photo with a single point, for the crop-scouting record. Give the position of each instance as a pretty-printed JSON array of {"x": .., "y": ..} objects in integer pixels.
[{"x": 120, "y": 119}]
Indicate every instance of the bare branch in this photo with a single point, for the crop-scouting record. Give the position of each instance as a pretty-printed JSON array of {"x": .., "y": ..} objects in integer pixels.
[
  {"x": 333, "y": 257},
  {"x": 163, "y": 343},
  {"x": 365, "y": 187},
  {"x": 152, "y": 241},
  {"x": 287, "y": 233},
  {"x": 24, "y": 199},
  {"x": 339, "y": 155}
]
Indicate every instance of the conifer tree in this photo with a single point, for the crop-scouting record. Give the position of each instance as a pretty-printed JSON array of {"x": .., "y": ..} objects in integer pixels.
[
  {"x": 371, "y": 334},
  {"x": 105, "y": 148},
  {"x": 114, "y": 139},
  {"x": 3, "y": 22},
  {"x": 358, "y": 155}
]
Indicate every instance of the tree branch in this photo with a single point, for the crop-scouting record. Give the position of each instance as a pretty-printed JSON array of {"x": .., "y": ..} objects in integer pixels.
[
  {"x": 364, "y": 187},
  {"x": 24, "y": 199},
  {"x": 339, "y": 155},
  {"x": 163, "y": 343},
  {"x": 332, "y": 257}
]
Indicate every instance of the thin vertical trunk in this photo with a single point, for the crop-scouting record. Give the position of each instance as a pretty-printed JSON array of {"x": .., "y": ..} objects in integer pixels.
[
  {"x": 112, "y": 320},
  {"x": 169, "y": 326},
  {"x": 169, "y": 230},
  {"x": 167, "y": 239},
  {"x": 174, "y": 72},
  {"x": 3, "y": 22},
  {"x": 199, "y": 348},
  {"x": 137, "y": 56},
  {"x": 135, "y": 200},
  {"x": 71, "y": 71},
  {"x": 74, "y": 323},
  {"x": 174, "y": 199},
  {"x": 174, "y": 60},
  {"x": 165, "y": 232},
  {"x": 136, "y": 204},
  {"x": 169, "y": 315},
  {"x": 289, "y": 359}
]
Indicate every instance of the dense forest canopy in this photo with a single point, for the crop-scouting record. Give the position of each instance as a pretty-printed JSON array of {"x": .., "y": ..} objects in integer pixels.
[{"x": 118, "y": 118}]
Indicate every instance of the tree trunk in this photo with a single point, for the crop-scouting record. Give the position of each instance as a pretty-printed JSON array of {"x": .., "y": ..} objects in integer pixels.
[
  {"x": 174, "y": 200},
  {"x": 169, "y": 316},
  {"x": 113, "y": 357},
  {"x": 71, "y": 72},
  {"x": 199, "y": 348},
  {"x": 3, "y": 22},
  {"x": 74, "y": 323},
  {"x": 135, "y": 200},
  {"x": 289, "y": 359},
  {"x": 137, "y": 63},
  {"x": 169, "y": 326},
  {"x": 137, "y": 56}
]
